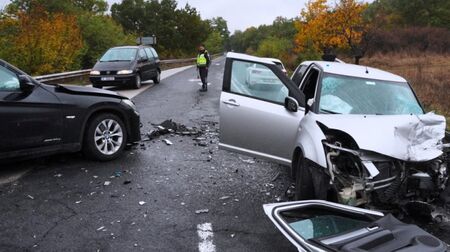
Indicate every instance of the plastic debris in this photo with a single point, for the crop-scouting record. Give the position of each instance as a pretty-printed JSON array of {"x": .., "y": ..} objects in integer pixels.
[
  {"x": 142, "y": 203},
  {"x": 78, "y": 202},
  {"x": 101, "y": 228},
  {"x": 118, "y": 174},
  {"x": 166, "y": 141},
  {"x": 31, "y": 197},
  {"x": 232, "y": 235},
  {"x": 200, "y": 211},
  {"x": 224, "y": 197},
  {"x": 59, "y": 175},
  {"x": 248, "y": 161},
  {"x": 107, "y": 183}
]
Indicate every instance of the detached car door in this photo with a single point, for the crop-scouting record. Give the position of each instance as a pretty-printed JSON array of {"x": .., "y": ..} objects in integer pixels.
[
  {"x": 316, "y": 225},
  {"x": 255, "y": 116},
  {"x": 30, "y": 118}
]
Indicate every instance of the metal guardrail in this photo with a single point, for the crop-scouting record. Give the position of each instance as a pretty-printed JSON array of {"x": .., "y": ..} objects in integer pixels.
[{"x": 81, "y": 73}]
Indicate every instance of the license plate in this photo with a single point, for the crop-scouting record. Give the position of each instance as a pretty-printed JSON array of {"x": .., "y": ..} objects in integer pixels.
[{"x": 107, "y": 78}]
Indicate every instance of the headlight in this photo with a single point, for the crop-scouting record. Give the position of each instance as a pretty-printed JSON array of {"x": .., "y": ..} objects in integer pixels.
[
  {"x": 129, "y": 103},
  {"x": 125, "y": 72},
  {"x": 94, "y": 73}
]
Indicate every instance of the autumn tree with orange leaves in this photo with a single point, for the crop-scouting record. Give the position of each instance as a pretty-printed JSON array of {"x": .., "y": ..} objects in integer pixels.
[
  {"x": 42, "y": 42},
  {"x": 341, "y": 27}
]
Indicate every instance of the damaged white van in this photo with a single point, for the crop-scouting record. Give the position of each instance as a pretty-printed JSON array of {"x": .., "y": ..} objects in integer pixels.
[{"x": 352, "y": 134}]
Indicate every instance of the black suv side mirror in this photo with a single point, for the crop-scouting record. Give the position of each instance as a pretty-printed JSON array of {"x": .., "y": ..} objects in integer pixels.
[
  {"x": 26, "y": 85},
  {"x": 291, "y": 104}
]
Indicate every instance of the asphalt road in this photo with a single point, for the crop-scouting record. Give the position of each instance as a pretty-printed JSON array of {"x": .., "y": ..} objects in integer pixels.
[{"x": 155, "y": 189}]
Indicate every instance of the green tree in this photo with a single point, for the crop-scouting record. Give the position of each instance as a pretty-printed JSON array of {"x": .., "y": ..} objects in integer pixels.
[
  {"x": 99, "y": 34},
  {"x": 178, "y": 30},
  {"x": 214, "y": 43}
]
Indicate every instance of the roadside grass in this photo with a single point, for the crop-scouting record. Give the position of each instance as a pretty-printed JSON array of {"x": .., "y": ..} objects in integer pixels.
[{"x": 428, "y": 74}]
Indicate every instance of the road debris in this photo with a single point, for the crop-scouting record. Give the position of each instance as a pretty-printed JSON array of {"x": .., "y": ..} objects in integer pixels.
[
  {"x": 166, "y": 141},
  {"x": 59, "y": 175},
  {"x": 101, "y": 228},
  {"x": 224, "y": 197},
  {"x": 248, "y": 161},
  {"x": 232, "y": 235},
  {"x": 200, "y": 211},
  {"x": 107, "y": 183},
  {"x": 142, "y": 203},
  {"x": 78, "y": 202},
  {"x": 31, "y": 197},
  {"x": 168, "y": 127},
  {"x": 126, "y": 182}
]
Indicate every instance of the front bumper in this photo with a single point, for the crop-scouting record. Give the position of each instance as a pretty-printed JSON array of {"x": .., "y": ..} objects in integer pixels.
[
  {"x": 134, "y": 129},
  {"x": 113, "y": 80}
]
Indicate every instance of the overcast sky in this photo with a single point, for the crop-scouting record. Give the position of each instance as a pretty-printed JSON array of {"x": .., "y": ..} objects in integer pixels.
[{"x": 240, "y": 14}]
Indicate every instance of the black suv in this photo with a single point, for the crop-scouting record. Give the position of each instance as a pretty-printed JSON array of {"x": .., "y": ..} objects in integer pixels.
[
  {"x": 39, "y": 119},
  {"x": 126, "y": 65}
]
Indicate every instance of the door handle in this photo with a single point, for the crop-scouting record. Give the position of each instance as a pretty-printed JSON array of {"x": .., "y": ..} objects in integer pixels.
[{"x": 232, "y": 102}]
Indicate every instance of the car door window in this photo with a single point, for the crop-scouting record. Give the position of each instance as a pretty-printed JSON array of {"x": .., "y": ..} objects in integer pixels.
[
  {"x": 298, "y": 75},
  {"x": 142, "y": 55},
  {"x": 154, "y": 53},
  {"x": 257, "y": 81},
  {"x": 149, "y": 53},
  {"x": 8, "y": 80},
  {"x": 310, "y": 83}
]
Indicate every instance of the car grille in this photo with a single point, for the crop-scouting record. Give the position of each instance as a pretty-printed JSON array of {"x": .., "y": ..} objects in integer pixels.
[{"x": 108, "y": 72}]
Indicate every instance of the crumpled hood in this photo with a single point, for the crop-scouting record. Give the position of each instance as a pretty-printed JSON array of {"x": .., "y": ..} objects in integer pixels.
[
  {"x": 414, "y": 138},
  {"x": 80, "y": 90}
]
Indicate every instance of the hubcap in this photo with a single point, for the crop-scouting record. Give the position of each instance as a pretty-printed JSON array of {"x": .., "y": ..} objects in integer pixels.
[{"x": 108, "y": 136}]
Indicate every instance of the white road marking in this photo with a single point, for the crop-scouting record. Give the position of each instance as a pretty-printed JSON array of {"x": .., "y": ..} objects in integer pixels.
[{"x": 205, "y": 233}]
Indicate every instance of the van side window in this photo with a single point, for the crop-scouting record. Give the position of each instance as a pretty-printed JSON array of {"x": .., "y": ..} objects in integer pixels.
[
  {"x": 149, "y": 53},
  {"x": 142, "y": 54},
  {"x": 154, "y": 52}
]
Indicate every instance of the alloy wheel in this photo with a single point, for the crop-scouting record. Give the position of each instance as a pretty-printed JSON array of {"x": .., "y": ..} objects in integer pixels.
[{"x": 108, "y": 136}]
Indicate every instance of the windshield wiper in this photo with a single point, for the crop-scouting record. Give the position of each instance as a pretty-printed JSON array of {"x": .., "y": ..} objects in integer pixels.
[
  {"x": 112, "y": 60},
  {"x": 330, "y": 112}
]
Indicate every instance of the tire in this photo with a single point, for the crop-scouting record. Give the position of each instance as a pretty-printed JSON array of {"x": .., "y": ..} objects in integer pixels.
[
  {"x": 138, "y": 82},
  {"x": 304, "y": 186},
  {"x": 105, "y": 137},
  {"x": 157, "y": 79}
]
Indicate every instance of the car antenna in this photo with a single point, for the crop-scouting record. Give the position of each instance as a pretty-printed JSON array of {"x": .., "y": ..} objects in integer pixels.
[{"x": 367, "y": 70}]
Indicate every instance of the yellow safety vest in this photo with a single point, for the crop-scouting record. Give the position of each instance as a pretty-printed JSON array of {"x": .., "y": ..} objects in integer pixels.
[{"x": 201, "y": 60}]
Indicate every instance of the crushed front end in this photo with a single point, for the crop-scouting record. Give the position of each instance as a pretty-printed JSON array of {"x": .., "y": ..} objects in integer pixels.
[{"x": 363, "y": 177}]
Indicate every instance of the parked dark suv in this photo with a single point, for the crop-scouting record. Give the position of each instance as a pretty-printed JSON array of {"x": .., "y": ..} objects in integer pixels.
[
  {"x": 126, "y": 66},
  {"x": 39, "y": 119}
]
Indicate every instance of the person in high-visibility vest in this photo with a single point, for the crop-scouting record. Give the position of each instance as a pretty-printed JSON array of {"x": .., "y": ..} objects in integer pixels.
[{"x": 203, "y": 62}]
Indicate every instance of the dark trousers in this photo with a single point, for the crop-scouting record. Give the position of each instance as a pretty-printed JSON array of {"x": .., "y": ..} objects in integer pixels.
[{"x": 203, "y": 71}]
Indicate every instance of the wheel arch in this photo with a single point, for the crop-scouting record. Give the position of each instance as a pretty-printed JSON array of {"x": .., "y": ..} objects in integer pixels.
[{"x": 109, "y": 109}]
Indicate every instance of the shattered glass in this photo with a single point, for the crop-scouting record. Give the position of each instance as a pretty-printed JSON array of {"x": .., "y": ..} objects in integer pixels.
[
  {"x": 326, "y": 225},
  {"x": 351, "y": 95}
]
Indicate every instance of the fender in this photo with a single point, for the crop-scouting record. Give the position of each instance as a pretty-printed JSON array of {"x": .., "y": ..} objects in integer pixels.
[
  {"x": 103, "y": 107},
  {"x": 309, "y": 140}
]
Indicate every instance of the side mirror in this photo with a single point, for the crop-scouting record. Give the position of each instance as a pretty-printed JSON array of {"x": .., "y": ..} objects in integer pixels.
[
  {"x": 26, "y": 85},
  {"x": 291, "y": 104}
]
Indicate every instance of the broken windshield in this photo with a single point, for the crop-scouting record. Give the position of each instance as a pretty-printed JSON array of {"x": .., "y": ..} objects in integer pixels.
[{"x": 351, "y": 95}]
